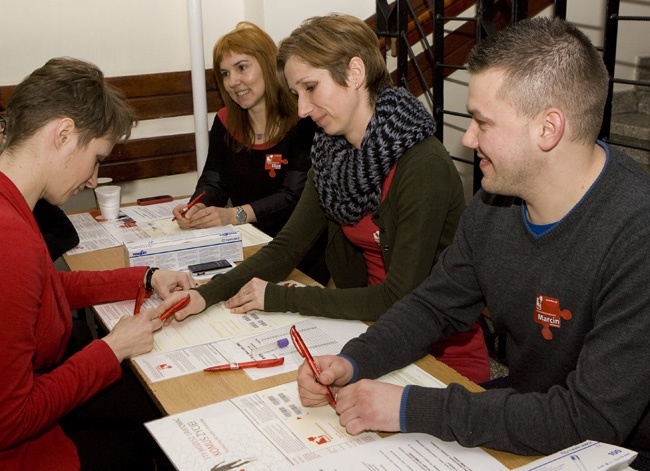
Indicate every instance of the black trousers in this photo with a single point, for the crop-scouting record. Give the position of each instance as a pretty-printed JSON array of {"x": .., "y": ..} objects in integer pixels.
[{"x": 108, "y": 429}]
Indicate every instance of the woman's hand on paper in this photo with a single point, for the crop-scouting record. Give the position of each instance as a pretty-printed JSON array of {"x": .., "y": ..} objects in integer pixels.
[
  {"x": 133, "y": 335},
  {"x": 196, "y": 305},
  {"x": 202, "y": 217},
  {"x": 166, "y": 282},
  {"x": 335, "y": 372},
  {"x": 248, "y": 298},
  {"x": 184, "y": 221}
]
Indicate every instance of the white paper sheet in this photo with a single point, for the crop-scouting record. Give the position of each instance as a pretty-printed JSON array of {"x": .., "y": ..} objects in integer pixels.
[
  {"x": 407, "y": 452},
  {"x": 266, "y": 431},
  {"x": 586, "y": 456}
]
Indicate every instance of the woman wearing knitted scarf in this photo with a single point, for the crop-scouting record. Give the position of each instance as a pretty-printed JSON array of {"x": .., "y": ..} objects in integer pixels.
[{"x": 381, "y": 185}]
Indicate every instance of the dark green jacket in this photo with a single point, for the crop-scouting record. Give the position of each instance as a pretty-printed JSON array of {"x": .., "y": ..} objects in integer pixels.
[{"x": 416, "y": 220}]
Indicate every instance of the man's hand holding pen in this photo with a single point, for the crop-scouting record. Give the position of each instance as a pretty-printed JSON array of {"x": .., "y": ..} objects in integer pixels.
[{"x": 362, "y": 406}]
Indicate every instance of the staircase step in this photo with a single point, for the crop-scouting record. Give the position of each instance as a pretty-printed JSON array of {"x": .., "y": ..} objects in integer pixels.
[
  {"x": 633, "y": 125},
  {"x": 643, "y": 97},
  {"x": 639, "y": 155},
  {"x": 624, "y": 102},
  {"x": 643, "y": 69}
]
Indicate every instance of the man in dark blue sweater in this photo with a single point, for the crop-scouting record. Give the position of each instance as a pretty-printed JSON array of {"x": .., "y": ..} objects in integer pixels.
[{"x": 556, "y": 244}]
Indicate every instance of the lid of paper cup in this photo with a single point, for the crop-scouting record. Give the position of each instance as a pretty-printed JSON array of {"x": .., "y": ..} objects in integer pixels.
[{"x": 104, "y": 180}]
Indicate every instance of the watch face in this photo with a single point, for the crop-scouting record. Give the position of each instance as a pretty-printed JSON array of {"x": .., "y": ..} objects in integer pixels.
[{"x": 241, "y": 215}]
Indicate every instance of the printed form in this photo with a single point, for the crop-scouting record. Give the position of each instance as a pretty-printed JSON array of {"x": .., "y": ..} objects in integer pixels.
[
  {"x": 217, "y": 336},
  {"x": 271, "y": 430},
  {"x": 141, "y": 222}
]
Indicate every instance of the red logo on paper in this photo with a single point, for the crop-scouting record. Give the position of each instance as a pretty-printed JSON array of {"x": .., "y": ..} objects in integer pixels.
[
  {"x": 274, "y": 162},
  {"x": 548, "y": 314},
  {"x": 320, "y": 439}
]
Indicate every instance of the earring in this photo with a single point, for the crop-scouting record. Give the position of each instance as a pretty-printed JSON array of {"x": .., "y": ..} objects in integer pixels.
[{"x": 357, "y": 85}]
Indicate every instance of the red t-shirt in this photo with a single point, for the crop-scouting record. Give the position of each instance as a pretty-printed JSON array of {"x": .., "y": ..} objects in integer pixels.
[
  {"x": 466, "y": 351},
  {"x": 365, "y": 235}
]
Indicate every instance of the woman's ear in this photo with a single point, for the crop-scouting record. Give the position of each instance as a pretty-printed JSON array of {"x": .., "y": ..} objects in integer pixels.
[
  {"x": 356, "y": 72},
  {"x": 64, "y": 131},
  {"x": 552, "y": 129}
]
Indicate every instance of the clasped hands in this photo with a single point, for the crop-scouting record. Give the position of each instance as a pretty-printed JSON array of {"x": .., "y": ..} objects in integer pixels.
[
  {"x": 201, "y": 216},
  {"x": 366, "y": 405},
  {"x": 133, "y": 335}
]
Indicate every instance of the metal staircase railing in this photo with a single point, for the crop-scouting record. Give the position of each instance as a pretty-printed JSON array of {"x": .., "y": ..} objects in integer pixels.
[
  {"x": 393, "y": 21},
  {"x": 609, "y": 57}
]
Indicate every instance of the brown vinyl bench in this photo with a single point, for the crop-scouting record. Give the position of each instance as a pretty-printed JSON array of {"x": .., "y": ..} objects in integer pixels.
[{"x": 153, "y": 96}]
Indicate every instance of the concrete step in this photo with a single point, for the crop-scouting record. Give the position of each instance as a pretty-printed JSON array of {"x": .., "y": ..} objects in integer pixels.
[
  {"x": 633, "y": 125},
  {"x": 643, "y": 101},
  {"x": 640, "y": 151},
  {"x": 643, "y": 69}
]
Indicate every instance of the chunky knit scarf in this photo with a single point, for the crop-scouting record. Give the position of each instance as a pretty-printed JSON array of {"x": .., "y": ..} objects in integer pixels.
[{"x": 349, "y": 180}]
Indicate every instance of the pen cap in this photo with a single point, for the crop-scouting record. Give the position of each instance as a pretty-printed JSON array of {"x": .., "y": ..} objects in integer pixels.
[{"x": 283, "y": 342}]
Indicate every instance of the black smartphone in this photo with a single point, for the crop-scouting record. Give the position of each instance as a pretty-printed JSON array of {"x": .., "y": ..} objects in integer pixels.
[
  {"x": 202, "y": 268},
  {"x": 154, "y": 200}
]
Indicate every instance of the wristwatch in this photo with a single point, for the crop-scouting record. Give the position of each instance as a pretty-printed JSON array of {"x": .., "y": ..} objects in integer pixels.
[{"x": 240, "y": 215}]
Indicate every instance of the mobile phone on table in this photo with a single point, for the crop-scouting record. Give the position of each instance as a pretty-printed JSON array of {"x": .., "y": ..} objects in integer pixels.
[
  {"x": 209, "y": 267},
  {"x": 154, "y": 200}
]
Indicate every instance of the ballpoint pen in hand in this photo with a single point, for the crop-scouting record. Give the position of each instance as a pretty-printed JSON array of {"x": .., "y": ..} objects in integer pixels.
[
  {"x": 190, "y": 204},
  {"x": 139, "y": 298},
  {"x": 176, "y": 307},
  {"x": 304, "y": 352},
  {"x": 248, "y": 364}
]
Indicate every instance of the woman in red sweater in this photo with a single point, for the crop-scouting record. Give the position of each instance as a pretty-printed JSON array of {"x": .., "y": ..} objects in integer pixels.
[{"x": 62, "y": 121}]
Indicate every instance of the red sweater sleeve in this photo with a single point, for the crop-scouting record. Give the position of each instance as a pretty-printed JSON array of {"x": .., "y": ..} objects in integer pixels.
[
  {"x": 35, "y": 317},
  {"x": 85, "y": 288}
]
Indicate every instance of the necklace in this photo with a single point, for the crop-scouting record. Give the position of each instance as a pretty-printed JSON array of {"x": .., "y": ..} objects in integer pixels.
[{"x": 259, "y": 137}]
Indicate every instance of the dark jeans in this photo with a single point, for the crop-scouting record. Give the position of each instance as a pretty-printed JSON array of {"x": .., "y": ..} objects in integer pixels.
[
  {"x": 108, "y": 429},
  {"x": 641, "y": 463}
]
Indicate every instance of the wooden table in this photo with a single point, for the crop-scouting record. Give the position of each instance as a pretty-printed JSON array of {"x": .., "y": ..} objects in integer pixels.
[{"x": 201, "y": 389}]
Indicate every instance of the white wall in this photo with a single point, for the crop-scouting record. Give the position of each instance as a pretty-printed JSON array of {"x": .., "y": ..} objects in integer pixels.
[
  {"x": 126, "y": 37},
  {"x": 152, "y": 37}
]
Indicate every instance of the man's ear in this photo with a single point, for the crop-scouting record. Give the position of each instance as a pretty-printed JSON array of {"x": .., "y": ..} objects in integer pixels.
[
  {"x": 63, "y": 132},
  {"x": 552, "y": 129},
  {"x": 356, "y": 72}
]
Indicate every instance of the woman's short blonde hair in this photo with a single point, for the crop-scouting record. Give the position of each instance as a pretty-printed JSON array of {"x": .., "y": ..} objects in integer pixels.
[{"x": 329, "y": 42}]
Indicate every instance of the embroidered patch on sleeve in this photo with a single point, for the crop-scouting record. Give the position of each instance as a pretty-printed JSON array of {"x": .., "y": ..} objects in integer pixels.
[
  {"x": 274, "y": 162},
  {"x": 548, "y": 314}
]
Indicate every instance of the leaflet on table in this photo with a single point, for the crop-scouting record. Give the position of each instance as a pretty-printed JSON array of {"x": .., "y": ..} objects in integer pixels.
[
  {"x": 585, "y": 456},
  {"x": 406, "y": 452},
  {"x": 268, "y": 430},
  {"x": 322, "y": 336},
  {"x": 271, "y": 430},
  {"x": 152, "y": 212},
  {"x": 92, "y": 235},
  {"x": 96, "y": 235},
  {"x": 252, "y": 236},
  {"x": 131, "y": 226},
  {"x": 215, "y": 323}
]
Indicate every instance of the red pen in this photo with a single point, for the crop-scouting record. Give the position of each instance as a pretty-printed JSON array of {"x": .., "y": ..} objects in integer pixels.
[
  {"x": 248, "y": 364},
  {"x": 190, "y": 204},
  {"x": 176, "y": 307},
  {"x": 139, "y": 298},
  {"x": 300, "y": 345}
]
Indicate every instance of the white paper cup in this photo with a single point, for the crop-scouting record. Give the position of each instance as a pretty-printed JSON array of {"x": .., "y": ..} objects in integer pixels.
[{"x": 108, "y": 199}]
